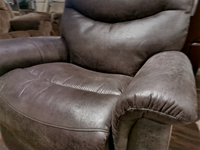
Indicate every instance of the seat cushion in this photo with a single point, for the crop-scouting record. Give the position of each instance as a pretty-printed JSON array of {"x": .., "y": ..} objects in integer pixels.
[{"x": 47, "y": 102}]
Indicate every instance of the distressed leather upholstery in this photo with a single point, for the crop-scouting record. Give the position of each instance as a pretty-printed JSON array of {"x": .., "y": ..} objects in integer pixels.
[{"x": 115, "y": 79}]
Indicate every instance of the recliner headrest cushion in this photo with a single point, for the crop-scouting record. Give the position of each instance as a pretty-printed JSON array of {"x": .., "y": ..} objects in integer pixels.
[{"x": 124, "y": 10}]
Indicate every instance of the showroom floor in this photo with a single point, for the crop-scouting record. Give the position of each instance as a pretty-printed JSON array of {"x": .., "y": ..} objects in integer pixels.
[{"x": 185, "y": 137}]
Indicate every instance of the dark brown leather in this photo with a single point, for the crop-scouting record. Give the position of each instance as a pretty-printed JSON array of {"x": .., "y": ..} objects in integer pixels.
[
  {"x": 11, "y": 141},
  {"x": 120, "y": 10},
  {"x": 89, "y": 89},
  {"x": 62, "y": 101},
  {"x": 156, "y": 93},
  {"x": 30, "y": 51},
  {"x": 125, "y": 46}
]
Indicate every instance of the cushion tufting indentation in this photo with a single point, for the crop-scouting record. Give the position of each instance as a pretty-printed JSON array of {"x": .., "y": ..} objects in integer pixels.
[
  {"x": 38, "y": 94},
  {"x": 124, "y": 10},
  {"x": 78, "y": 78}
]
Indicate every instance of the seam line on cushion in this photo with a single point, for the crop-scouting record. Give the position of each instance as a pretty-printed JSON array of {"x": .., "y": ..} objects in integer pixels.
[
  {"x": 37, "y": 49},
  {"x": 153, "y": 111},
  {"x": 72, "y": 86},
  {"x": 53, "y": 125}
]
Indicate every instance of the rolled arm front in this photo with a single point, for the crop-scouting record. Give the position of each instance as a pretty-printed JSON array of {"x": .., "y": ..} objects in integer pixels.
[
  {"x": 163, "y": 90},
  {"x": 26, "y": 52}
]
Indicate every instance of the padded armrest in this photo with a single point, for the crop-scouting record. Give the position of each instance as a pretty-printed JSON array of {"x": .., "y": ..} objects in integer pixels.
[
  {"x": 25, "y": 52},
  {"x": 163, "y": 90}
]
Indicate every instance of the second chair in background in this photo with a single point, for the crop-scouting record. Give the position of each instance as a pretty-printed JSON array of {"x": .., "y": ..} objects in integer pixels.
[
  {"x": 33, "y": 24},
  {"x": 54, "y": 8}
]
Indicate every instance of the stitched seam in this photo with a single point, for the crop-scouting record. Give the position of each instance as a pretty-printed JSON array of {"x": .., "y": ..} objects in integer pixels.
[
  {"x": 37, "y": 49},
  {"x": 53, "y": 125},
  {"x": 144, "y": 109},
  {"x": 71, "y": 86}
]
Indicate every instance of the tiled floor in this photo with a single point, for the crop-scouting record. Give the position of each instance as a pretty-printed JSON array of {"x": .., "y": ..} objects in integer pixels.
[{"x": 185, "y": 137}]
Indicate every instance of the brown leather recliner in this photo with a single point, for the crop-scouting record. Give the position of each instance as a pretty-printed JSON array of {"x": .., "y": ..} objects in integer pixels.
[
  {"x": 114, "y": 80},
  {"x": 33, "y": 24}
]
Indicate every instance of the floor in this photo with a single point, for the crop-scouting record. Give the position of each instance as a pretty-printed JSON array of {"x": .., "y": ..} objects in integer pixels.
[{"x": 185, "y": 137}]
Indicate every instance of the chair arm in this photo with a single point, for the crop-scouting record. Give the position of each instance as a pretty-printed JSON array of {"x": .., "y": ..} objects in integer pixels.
[
  {"x": 163, "y": 90},
  {"x": 25, "y": 52}
]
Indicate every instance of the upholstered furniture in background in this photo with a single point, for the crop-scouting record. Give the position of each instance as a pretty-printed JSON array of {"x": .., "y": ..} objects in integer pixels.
[
  {"x": 115, "y": 79},
  {"x": 33, "y": 24},
  {"x": 56, "y": 11},
  {"x": 192, "y": 44},
  {"x": 55, "y": 8}
]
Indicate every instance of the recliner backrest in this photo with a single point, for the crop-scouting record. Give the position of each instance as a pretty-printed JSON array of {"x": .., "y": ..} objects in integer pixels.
[{"x": 118, "y": 36}]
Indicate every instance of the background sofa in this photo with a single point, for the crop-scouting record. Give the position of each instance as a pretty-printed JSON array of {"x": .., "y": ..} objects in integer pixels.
[
  {"x": 55, "y": 9},
  {"x": 33, "y": 24}
]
